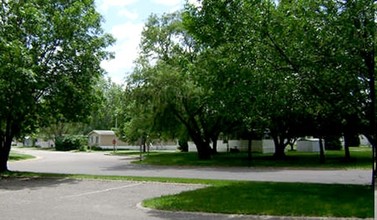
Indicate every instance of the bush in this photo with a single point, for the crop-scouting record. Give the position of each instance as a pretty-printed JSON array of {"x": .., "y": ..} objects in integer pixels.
[
  {"x": 183, "y": 145},
  {"x": 71, "y": 142},
  {"x": 333, "y": 143},
  {"x": 352, "y": 140}
]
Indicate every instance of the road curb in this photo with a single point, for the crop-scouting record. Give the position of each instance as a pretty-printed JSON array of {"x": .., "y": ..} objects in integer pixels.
[{"x": 242, "y": 217}]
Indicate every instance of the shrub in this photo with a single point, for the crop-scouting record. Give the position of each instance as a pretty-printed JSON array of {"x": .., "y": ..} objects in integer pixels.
[
  {"x": 352, "y": 140},
  {"x": 71, "y": 142},
  {"x": 183, "y": 145},
  {"x": 333, "y": 143}
]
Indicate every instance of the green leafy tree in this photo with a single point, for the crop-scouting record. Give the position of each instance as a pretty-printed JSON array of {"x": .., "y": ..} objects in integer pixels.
[
  {"x": 335, "y": 65},
  {"x": 107, "y": 110},
  {"x": 60, "y": 129},
  {"x": 50, "y": 60},
  {"x": 293, "y": 61},
  {"x": 168, "y": 85},
  {"x": 253, "y": 90}
]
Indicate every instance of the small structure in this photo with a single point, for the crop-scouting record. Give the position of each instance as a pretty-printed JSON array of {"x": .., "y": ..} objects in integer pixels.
[
  {"x": 104, "y": 139},
  {"x": 261, "y": 146},
  {"x": 308, "y": 145},
  {"x": 37, "y": 142},
  {"x": 265, "y": 146},
  {"x": 364, "y": 141}
]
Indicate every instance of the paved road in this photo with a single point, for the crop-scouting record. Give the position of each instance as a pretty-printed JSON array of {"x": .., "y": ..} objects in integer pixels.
[
  {"x": 101, "y": 164},
  {"x": 61, "y": 199}
]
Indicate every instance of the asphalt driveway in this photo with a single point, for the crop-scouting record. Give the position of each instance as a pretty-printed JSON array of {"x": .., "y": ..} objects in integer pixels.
[{"x": 60, "y": 199}]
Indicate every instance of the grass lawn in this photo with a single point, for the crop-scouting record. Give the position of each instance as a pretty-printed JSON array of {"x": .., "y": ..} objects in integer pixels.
[
  {"x": 361, "y": 157},
  {"x": 277, "y": 199},
  {"x": 16, "y": 156}
]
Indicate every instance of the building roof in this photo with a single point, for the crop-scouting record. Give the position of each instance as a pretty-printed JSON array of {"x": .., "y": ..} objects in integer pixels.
[{"x": 102, "y": 132}]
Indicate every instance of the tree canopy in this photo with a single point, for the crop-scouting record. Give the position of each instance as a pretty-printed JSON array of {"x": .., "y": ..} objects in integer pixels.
[
  {"x": 298, "y": 60},
  {"x": 289, "y": 68},
  {"x": 50, "y": 60},
  {"x": 163, "y": 84}
]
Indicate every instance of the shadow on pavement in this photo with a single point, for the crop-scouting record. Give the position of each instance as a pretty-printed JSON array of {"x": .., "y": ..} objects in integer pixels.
[
  {"x": 213, "y": 216},
  {"x": 195, "y": 216},
  {"x": 32, "y": 183}
]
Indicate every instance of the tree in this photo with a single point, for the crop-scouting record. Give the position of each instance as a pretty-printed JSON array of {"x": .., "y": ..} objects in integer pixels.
[
  {"x": 59, "y": 129},
  {"x": 337, "y": 64},
  {"x": 107, "y": 110},
  {"x": 298, "y": 61},
  {"x": 252, "y": 77},
  {"x": 103, "y": 115},
  {"x": 50, "y": 60},
  {"x": 167, "y": 83}
]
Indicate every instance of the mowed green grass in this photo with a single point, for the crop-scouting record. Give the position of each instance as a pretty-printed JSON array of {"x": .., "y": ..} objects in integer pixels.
[
  {"x": 361, "y": 158},
  {"x": 277, "y": 199},
  {"x": 13, "y": 156}
]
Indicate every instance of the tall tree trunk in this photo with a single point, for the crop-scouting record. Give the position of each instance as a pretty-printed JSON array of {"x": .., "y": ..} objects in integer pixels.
[
  {"x": 368, "y": 54},
  {"x": 6, "y": 143},
  {"x": 279, "y": 152},
  {"x": 322, "y": 158},
  {"x": 143, "y": 141},
  {"x": 4, "y": 155},
  {"x": 373, "y": 142},
  {"x": 214, "y": 138},
  {"x": 201, "y": 141},
  {"x": 347, "y": 154},
  {"x": 214, "y": 146},
  {"x": 279, "y": 147},
  {"x": 249, "y": 155},
  {"x": 204, "y": 151},
  {"x": 202, "y": 146}
]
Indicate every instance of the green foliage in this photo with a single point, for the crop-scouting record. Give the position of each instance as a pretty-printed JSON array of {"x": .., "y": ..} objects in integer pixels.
[
  {"x": 294, "y": 67},
  {"x": 183, "y": 145},
  {"x": 288, "y": 68},
  {"x": 159, "y": 104},
  {"x": 71, "y": 142},
  {"x": 50, "y": 59},
  {"x": 107, "y": 112},
  {"x": 276, "y": 199},
  {"x": 332, "y": 143},
  {"x": 59, "y": 129}
]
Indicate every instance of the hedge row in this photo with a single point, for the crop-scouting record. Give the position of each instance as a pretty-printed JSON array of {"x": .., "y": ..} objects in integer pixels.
[{"x": 71, "y": 142}]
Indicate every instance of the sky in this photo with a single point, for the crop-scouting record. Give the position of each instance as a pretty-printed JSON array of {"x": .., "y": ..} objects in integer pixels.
[{"x": 125, "y": 19}]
